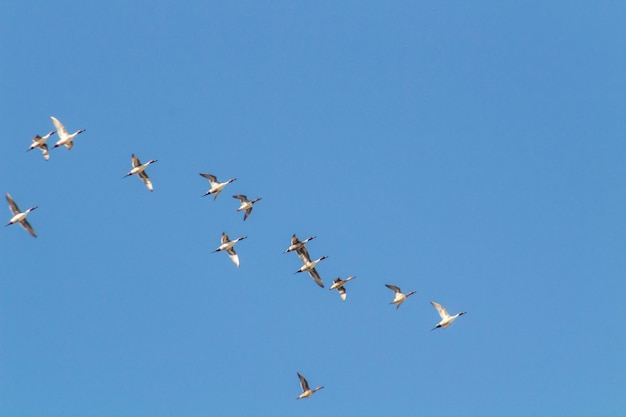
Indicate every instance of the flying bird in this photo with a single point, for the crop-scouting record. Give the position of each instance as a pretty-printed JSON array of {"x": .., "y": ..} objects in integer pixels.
[
  {"x": 399, "y": 296},
  {"x": 245, "y": 204},
  {"x": 338, "y": 284},
  {"x": 228, "y": 246},
  {"x": 306, "y": 391},
  {"x": 446, "y": 319},
  {"x": 296, "y": 244},
  {"x": 140, "y": 170},
  {"x": 216, "y": 186},
  {"x": 40, "y": 142},
  {"x": 309, "y": 265},
  {"x": 65, "y": 139},
  {"x": 20, "y": 216}
]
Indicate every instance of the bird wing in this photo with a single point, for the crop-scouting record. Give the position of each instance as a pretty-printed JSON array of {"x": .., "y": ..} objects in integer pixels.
[
  {"x": 316, "y": 277},
  {"x": 135, "y": 160},
  {"x": 248, "y": 211},
  {"x": 69, "y": 145},
  {"x": 212, "y": 178},
  {"x": 393, "y": 288},
  {"x": 28, "y": 228},
  {"x": 12, "y": 205},
  {"x": 443, "y": 313},
  {"x": 303, "y": 384},
  {"x": 60, "y": 128},
  {"x": 294, "y": 239},
  {"x": 44, "y": 151},
  {"x": 225, "y": 238},
  {"x": 303, "y": 253},
  {"x": 233, "y": 256},
  {"x": 241, "y": 198},
  {"x": 36, "y": 138},
  {"x": 146, "y": 180}
]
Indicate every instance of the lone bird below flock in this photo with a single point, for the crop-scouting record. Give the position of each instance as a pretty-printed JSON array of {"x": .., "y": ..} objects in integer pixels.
[
  {"x": 40, "y": 142},
  {"x": 399, "y": 296},
  {"x": 228, "y": 246},
  {"x": 338, "y": 284},
  {"x": 446, "y": 319},
  {"x": 309, "y": 265},
  {"x": 216, "y": 186},
  {"x": 306, "y": 391},
  {"x": 139, "y": 169},
  {"x": 245, "y": 204},
  {"x": 65, "y": 139},
  {"x": 20, "y": 216}
]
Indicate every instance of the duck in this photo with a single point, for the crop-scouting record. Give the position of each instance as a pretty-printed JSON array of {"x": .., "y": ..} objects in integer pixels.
[
  {"x": 246, "y": 204},
  {"x": 216, "y": 186},
  {"x": 40, "y": 142},
  {"x": 306, "y": 391},
  {"x": 309, "y": 265},
  {"x": 338, "y": 284},
  {"x": 139, "y": 169},
  {"x": 65, "y": 139},
  {"x": 297, "y": 244},
  {"x": 20, "y": 216},
  {"x": 446, "y": 319},
  {"x": 399, "y": 296},
  {"x": 227, "y": 245}
]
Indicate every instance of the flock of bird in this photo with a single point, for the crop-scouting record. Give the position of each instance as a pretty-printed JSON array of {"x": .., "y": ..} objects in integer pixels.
[{"x": 227, "y": 245}]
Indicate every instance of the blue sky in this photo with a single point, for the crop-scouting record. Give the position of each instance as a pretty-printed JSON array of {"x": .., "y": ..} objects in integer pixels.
[{"x": 470, "y": 151}]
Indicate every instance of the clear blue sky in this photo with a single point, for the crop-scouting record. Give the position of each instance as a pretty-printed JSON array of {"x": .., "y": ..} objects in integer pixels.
[{"x": 472, "y": 151}]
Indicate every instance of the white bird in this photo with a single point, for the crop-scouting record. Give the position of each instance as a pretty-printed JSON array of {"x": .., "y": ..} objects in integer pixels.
[
  {"x": 246, "y": 204},
  {"x": 227, "y": 245},
  {"x": 306, "y": 391},
  {"x": 65, "y": 139},
  {"x": 139, "y": 169},
  {"x": 446, "y": 319},
  {"x": 309, "y": 265},
  {"x": 399, "y": 296},
  {"x": 20, "y": 216},
  {"x": 40, "y": 142},
  {"x": 297, "y": 244},
  {"x": 216, "y": 186},
  {"x": 338, "y": 284}
]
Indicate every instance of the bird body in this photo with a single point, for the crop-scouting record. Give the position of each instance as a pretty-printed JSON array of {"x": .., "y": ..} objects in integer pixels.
[
  {"x": 399, "y": 297},
  {"x": 245, "y": 204},
  {"x": 446, "y": 319},
  {"x": 228, "y": 246},
  {"x": 40, "y": 142},
  {"x": 139, "y": 170},
  {"x": 19, "y": 216},
  {"x": 296, "y": 244},
  {"x": 306, "y": 391},
  {"x": 338, "y": 284},
  {"x": 309, "y": 266},
  {"x": 216, "y": 186},
  {"x": 65, "y": 139}
]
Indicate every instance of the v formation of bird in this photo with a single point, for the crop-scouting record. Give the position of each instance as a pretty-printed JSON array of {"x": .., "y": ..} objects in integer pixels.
[{"x": 227, "y": 245}]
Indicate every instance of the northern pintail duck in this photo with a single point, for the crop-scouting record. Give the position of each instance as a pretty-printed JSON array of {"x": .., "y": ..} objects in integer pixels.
[
  {"x": 297, "y": 244},
  {"x": 399, "y": 296},
  {"x": 20, "y": 216},
  {"x": 216, "y": 186},
  {"x": 338, "y": 284},
  {"x": 309, "y": 265},
  {"x": 139, "y": 169},
  {"x": 228, "y": 246},
  {"x": 65, "y": 139},
  {"x": 446, "y": 319},
  {"x": 40, "y": 142},
  {"x": 306, "y": 391},
  {"x": 245, "y": 204}
]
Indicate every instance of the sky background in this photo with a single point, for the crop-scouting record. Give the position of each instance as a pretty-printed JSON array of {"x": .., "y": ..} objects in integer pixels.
[{"x": 471, "y": 151}]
